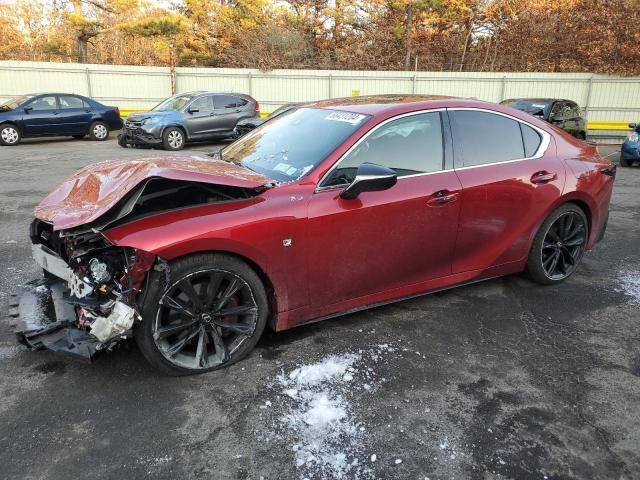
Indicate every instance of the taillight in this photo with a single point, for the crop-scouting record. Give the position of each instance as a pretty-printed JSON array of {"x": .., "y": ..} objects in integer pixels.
[
  {"x": 257, "y": 107},
  {"x": 118, "y": 111}
]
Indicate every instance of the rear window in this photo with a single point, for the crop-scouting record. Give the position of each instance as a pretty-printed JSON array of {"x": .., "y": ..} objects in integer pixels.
[
  {"x": 483, "y": 137},
  {"x": 530, "y": 106}
]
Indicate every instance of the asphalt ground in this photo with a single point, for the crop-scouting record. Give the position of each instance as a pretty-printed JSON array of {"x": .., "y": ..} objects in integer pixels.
[{"x": 502, "y": 379}]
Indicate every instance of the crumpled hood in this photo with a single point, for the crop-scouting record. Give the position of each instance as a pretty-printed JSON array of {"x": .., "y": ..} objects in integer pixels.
[{"x": 94, "y": 190}]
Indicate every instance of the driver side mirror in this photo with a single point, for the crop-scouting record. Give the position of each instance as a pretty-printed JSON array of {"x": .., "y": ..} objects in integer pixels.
[
  {"x": 370, "y": 178},
  {"x": 28, "y": 109},
  {"x": 193, "y": 110}
]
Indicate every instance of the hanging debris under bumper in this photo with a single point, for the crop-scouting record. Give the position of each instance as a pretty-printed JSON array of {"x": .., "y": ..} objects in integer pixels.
[{"x": 86, "y": 302}]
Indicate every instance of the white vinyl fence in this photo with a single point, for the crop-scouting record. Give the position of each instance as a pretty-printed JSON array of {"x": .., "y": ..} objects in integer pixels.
[{"x": 603, "y": 98}]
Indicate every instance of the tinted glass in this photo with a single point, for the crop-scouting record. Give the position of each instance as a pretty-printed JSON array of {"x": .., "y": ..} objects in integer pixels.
[
  {"x": 294, "y": 143},
  {"x": 483, "y": 137},
  {"x": 204, "y": 103},
  {"x": 535, "y": 107},
  {"x": 409, "y": 145},
  {"x": 44, "y": 103},
  {"x": 69, "y": 101},
  {"x": 531, "y": 140},
  {"x": 228, "y": 101},
  {"x": 173, "y": 103}
]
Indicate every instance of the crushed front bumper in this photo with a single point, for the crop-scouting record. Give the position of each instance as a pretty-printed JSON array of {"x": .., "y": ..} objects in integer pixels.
[
  {"x": 48, "y": 321},
  {"x": 138, "y": 138}
]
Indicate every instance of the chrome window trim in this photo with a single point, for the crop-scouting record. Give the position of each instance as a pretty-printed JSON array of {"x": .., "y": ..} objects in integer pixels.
[
  {"x": 542, "y": 148},
  {"x": 366, "y": 135}
]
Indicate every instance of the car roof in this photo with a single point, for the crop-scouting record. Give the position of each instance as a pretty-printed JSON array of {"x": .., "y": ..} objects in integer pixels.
[
  {"x": 538, "y": 100},
  {"x": 399, "y": 103}
]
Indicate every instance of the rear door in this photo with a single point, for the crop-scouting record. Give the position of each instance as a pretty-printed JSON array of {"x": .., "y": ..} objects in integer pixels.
[
  {"x": 200, "y": 118},
  {"x": 229, "y": 110},
  {"x": 393, "y": 238},
  {"x": 510, "y": 177},
  {"x": 74, "y": 115},
  {"x": 41, "y": 117}
]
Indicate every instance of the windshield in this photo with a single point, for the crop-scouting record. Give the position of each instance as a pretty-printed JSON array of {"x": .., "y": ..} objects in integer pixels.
[
  {"x": 294, "y": 143},
  {"x": 530, "y": 106},
  {"x": 173, "y": 103},
  {"x": 14, "y": 102}
]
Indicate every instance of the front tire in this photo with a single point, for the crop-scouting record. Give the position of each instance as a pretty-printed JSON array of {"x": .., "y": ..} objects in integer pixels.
[
  {"x": 626, "y": 162},
  {"x": 9, "y": 135},
  {"x": 173, "y": 139},
  {"x": 558, "y": 246},
  {"x": 210, "y": 315},
  {"x": 99, "y": 131}
]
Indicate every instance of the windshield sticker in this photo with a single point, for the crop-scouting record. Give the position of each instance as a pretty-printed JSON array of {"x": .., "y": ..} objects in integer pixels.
[
  {"x": 348, "y": 117},
  {"x": 537, "y": 105},
  {"x": 282, "y": 167},
  {"x": 291, "y": 171}
]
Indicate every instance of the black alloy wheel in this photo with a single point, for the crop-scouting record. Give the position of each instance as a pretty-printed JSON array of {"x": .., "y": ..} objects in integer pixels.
[
  {"x": 559, "y": 245},
  {"x": 207, "y": 318}
]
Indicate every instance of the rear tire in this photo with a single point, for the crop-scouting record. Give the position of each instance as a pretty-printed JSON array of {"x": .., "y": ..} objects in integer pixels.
[
  {"x": 558, "y": 246},
  {"x": 210, "y": 298},
  {"x": 99, "y": 131},
  {"x": 173, "y": 139},
  {"x": 9, "y": 135},
  {"x": 625, "y": 162}
]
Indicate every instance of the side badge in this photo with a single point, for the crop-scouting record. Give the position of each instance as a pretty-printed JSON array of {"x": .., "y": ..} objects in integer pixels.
[{"x": 287, "y": 242}]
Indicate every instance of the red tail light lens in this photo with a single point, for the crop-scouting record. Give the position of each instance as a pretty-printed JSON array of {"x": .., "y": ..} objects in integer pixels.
[
  {"x": 257, "y": 107},
  {"x": 118, "y": 111}
]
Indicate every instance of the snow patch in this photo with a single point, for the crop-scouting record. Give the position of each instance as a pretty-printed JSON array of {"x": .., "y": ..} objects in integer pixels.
[
  {"x": 630, "y": 283},
  {"x": 316, "y": 408}
]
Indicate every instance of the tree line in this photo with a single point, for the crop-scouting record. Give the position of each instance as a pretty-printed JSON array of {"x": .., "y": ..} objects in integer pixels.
[{"x": 430, "y": 35}]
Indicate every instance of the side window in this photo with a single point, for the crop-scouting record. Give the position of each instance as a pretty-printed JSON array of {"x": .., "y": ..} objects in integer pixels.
[
  {"x": 44, "y": 103},
  {"x": 531, "y": 140},
  {"x": 482, "y": 137},
  {"x": 409, "y": 145},
  {"x": 204, "y": 103},
  {"x": 574, "y": 110},
  {"x": 69, "y": 101},
  {"x": 557, "y": 110},
  {"x": 227, "y": 101}
]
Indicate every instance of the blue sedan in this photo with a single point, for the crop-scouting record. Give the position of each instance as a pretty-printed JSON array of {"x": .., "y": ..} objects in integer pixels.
[
  {"x": 630, "y": 151},
  {"x": 55, "y": 115}
]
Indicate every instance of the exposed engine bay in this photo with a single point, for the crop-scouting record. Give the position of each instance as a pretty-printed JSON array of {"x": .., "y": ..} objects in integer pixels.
[{"x": 93, "y": 290}]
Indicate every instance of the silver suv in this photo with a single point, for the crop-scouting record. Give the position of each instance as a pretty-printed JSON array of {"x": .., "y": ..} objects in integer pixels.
[{"x": 188, "y": 117}]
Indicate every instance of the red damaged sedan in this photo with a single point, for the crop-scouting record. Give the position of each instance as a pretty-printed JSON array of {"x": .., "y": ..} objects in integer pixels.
[{"x": 330, "y": 208}]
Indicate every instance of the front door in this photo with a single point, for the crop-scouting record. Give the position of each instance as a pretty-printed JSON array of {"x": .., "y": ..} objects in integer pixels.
[
  {"x": 507, "y": 185},
  {"x": 41, "y": 117},
  {"x": 388, "y": 239},
  {"x": 200, "y": 118}
]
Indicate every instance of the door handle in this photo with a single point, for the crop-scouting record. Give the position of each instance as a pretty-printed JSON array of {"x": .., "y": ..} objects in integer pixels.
[
  {"x": 542, "y": 177},
  {"x": 212, "y": 114},
  {"x": 441, "y": 197}
]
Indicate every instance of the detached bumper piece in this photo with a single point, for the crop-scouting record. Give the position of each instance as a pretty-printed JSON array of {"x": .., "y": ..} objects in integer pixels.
[
  {"x": 47, "y": 321},
  {"x": 137, "y": 138}
]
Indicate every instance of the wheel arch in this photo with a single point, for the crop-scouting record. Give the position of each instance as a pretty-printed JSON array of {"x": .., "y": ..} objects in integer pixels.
[
  {"x": 175, "y": 125},
  {"x": 11, "y": 122},
  {"x": 260, "y": 271}
]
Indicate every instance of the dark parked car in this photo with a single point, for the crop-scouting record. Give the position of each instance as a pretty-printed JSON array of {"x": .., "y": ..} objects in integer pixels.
[
  {"x": 56, "y": 115},
  {"x": 245, "y": 126},
  {"x": 564, "y": 114},
  {"x": 188, "y": 117},
  {"x": 334, "y": 207},
  {"x": 630, "y": 151}
]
